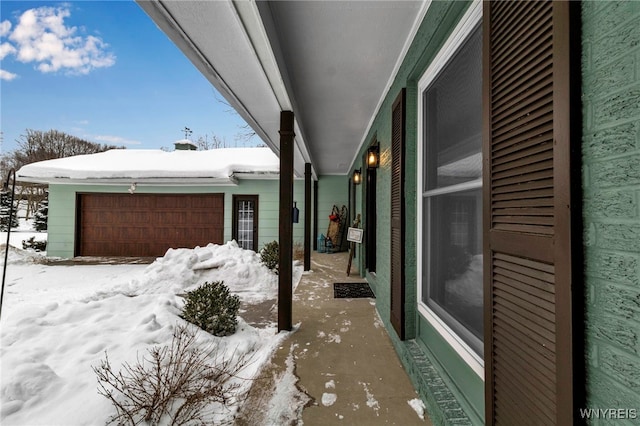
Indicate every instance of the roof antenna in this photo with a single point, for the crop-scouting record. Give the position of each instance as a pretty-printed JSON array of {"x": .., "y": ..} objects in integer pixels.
[{"x": 187, "y": 131}]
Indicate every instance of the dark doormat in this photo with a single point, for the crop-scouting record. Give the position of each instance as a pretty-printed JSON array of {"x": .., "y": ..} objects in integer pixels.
[{"x": 352, "y": 290}]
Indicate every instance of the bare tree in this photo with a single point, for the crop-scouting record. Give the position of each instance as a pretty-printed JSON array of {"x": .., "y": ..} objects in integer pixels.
[
  {"x": 205, "y": 142},
  {"x": 37, "y": 145},
  {"x": 246, "y": 133}
]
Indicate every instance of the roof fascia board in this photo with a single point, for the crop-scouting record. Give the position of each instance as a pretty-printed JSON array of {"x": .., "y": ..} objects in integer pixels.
[
  {"x": 249, "y": 20},
  {"x": 258, "y": 24},
  {"x": 249, "y": 17},
  {"x": 412, "y": 34},
  {"x": 268, "y": 25},
  {"x": 232, "y": 181}
]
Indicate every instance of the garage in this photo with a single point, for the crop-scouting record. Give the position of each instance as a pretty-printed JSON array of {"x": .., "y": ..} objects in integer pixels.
[{"x": 146, "y": 224}]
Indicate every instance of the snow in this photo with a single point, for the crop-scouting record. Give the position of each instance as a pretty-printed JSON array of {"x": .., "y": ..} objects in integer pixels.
[
  {"x": 59, "y": 320},
  {"x": 287, "y": 402},
  {"x": 138, "y": 164},
  {"x": 466, "y": 289},
  {"x": 372, "y": 402},
  {"x": 418, "y": 407},
  {"x": 329, "y": 399}
]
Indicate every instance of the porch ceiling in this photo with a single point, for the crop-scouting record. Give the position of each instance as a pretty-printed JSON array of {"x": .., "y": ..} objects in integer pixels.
[{"x": 328, "y": 61}]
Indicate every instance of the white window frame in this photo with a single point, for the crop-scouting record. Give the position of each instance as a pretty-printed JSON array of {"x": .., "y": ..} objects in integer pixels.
[{"x": 462, "y": 31}]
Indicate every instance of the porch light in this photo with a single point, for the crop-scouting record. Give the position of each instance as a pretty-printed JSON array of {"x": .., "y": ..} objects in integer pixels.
[
  {"x": 373, "y": 156},
  {"x": 357, "y": 176}
]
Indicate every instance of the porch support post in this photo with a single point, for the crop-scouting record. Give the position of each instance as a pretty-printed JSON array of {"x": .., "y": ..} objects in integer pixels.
[
  {"x": 315, "y": 215},
  {"x": 285, "y": 274},
  {"x": 307, "y": 216}
]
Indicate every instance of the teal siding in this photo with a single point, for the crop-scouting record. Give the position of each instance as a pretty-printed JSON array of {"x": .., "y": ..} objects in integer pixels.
[
  {"x": 611, "y": 179},
  {"x": 453, "y": 392},
  {"x": 269, "y": 204},
  {"x": 62, "y": 209},
  {"x": 332, "y": 190},
  {"x": 61, "y": 221}
]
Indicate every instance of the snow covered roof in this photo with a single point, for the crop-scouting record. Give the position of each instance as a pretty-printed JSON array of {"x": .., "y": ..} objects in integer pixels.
[{"x": 216, "y": 166}]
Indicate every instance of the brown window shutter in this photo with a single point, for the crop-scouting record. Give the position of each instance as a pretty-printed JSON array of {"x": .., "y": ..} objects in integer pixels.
[
  {"x": 397, "y": 214},
  {"x": 527, "y": 213}
]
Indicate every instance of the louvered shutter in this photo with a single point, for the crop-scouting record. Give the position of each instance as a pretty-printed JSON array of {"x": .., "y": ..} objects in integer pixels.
[
  {"x": 527, "y": 213},
  {"x": 397, "y": 214}
]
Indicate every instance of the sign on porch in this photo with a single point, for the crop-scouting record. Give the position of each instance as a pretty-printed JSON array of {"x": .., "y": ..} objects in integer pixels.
[{"x": 355, "y": 235}]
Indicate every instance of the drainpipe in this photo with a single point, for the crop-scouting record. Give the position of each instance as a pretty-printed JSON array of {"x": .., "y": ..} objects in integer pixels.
[
  {"x": 285, "y": 233},
  {"x": 5, "y": 187}
]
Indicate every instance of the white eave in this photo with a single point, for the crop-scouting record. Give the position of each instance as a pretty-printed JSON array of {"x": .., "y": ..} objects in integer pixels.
[
  {"x": 160, "y": 181},
  {"x": 330, "y": 62}
]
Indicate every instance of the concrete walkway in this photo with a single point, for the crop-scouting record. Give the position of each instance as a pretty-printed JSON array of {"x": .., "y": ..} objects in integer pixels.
[{"x": 348, "y": 372}]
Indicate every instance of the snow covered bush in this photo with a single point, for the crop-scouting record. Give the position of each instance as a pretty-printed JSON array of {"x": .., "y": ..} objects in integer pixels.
[
  {"x": 172, "y": 385},
  {"x": 270, "y": 256},
  {"x": 5, "y": 209},
  {"x": 31, "y": 243},
  {"x": 41, "y": 216},
  {"x": 212, "y": 308}
]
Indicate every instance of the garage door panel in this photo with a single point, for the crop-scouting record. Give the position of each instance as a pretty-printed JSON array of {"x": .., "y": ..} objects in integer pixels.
[
  {"x": 172, "y": 202},
  {"x": 147, "y": 224}
]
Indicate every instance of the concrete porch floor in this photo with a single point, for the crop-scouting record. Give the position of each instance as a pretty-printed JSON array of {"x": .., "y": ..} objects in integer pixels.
[{"x": 347, "y": 369}]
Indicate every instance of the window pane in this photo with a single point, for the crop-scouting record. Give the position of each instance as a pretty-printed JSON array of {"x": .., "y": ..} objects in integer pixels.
[
  {"x": 453, "y": 119},
  {"x": 245, "y": 224},
  {"x": 454, "y": 274}
]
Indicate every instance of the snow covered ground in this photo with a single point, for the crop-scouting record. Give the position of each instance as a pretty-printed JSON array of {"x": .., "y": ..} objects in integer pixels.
[{"x": 58, "y": 321}]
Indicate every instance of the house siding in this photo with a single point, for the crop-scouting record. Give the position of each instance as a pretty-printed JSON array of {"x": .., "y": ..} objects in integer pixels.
[
  {"x": 62, "y": 209},
  {"x": 611, "y": 212},
  {"x": 452, "y": 391},
  {"x": 332, "y": 190},
  {"x": 611, "y": 209}
]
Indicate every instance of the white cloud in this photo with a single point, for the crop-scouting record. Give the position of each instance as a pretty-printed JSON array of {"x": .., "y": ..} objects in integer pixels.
[
  {"x": 6, "y": 75},
  {"x": 5, "y": 27},
  {"x": 42, "y": 37},
  {"x": 6, "y": 49},
  {"x": 115, "y": 140}
]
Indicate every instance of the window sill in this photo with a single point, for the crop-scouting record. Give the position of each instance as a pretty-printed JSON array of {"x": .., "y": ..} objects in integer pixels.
[{"x": 466, "y": 353}]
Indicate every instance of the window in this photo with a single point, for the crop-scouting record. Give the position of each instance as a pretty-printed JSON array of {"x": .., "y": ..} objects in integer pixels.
[
  {"x": 245, "y": 221},
  {"x": 451, "y": 190}
]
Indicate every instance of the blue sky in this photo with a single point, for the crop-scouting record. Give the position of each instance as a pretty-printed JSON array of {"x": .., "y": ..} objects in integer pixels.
[{"x": 102, "y": 71}]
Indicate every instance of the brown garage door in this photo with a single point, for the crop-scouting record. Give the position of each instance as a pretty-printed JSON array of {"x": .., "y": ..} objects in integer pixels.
[{"x": 147, "y": 224}]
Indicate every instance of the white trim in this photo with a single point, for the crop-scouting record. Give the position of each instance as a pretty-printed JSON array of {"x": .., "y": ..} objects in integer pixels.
[
  {"x": 248, "y": 17},
  {"x": 474, "y": 184},
  {"x": 231, "y": 181},
  {"x": 407, "y": 44},
  {"x": 460, "y": 346},
  {"x": 468, "y": 22}
]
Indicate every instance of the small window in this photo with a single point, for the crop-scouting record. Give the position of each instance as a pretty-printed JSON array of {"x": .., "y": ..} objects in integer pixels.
[
  {"x": 452, "y": 193},
  {"x": 245, "y": 221}
]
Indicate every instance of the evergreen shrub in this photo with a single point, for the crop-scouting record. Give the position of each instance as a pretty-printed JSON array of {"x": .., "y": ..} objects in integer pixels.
[
  {"x": 270, "y": 256},
  {"x": 212, "y": 308},
  {"x": 5, "y": 209},
  {"x": 41, "y": 216}
]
